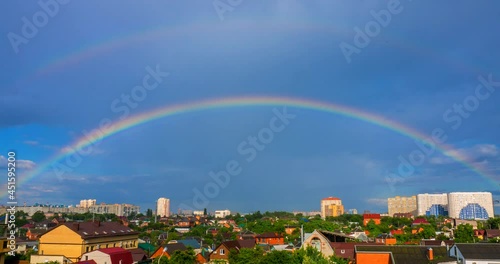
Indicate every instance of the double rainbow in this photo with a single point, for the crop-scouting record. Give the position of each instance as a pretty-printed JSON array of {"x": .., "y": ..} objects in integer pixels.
[{"x": 254, "y": 101}]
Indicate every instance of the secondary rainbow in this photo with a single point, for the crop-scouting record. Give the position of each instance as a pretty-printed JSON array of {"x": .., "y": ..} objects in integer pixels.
[
  {"x": 228, "y": 102},
  {"x": 114, "y": 43}
]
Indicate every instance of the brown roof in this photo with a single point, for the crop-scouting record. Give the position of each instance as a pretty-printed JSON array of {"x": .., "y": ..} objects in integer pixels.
[
  {"x": 492, "y": 233},
  {"x": 426, "y": 242},
  {"x": 238, "y": 244},
  {"x": 346, "y": 250},
  {"x": 97, "y": 229},
  {"x": 268, "y": 235},
  {"x": 410, "y": 254},
  {"x": 489, "y": 251}
]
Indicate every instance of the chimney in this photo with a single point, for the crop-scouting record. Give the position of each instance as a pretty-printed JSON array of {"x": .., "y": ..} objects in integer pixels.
[
  {"x": 430, "y": 254},
  {"x": 76, "y": 226}
]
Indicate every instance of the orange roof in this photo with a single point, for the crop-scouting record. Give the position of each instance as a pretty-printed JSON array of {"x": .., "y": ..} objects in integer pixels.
[{"x": 331, "y": 198}]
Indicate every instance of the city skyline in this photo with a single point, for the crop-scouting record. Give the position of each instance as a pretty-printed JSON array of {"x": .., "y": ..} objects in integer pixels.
[{"x": 273, "y": 107}]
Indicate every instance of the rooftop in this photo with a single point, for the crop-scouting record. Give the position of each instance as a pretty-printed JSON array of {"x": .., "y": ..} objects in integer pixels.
[{"x": 330, "y": 198}]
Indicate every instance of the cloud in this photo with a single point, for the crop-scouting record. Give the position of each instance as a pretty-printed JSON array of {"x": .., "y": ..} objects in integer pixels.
[
  {"x": 474, "y": 153},
  {"x": 377, "y": 201},
  {"x": 22, "y": 164},
  {"x": 31, "y": 142}
]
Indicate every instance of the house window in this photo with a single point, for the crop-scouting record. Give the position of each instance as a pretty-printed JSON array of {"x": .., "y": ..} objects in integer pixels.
[
  {"x": 86, "y": 257},
  {"x": 222, "y": 251}
]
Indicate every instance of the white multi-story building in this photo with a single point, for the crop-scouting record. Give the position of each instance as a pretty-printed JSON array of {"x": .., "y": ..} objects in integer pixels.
[
  {"x": 163, "y": 207},
  {"x": 198, "y": 213},
  {"x": 222, "y": 213},
  {"x": 432, "y": 204},
  {"x": 117, "y": 209},
  {"x": 470, "y": 205}
]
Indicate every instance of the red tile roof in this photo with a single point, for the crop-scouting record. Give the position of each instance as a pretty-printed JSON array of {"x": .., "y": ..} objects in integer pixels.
[
  {"x": 420, "y": 221},
  {"x": 118, "y": 255},
  {"x": 331, "y": 198},
  {"x": 91, "y": 261},
  {"x": 269, "y": 235},
  {"x": 371, "y": 216}
]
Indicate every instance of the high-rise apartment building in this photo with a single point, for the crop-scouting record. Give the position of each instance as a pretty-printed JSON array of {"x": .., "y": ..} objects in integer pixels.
[
  {"x": 331, "y": 206},
  {"x": 87, "y": 203},
  {"x": 117, "y": 209},
  {"x": 432, "y": 204},
  {"x": 470, "y": 205},
  {"x": 402, "y": 205},
  {"x": 163, "y": 207}
]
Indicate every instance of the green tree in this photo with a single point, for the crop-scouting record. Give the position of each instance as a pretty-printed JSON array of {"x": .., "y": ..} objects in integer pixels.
[
  {"x": 279, "y": 257},
  {"x": 184, "y": 257},
  {"x": 493, "y": 223},
  {"x": 464, "y": 234},
  {"x": 246, "y": 255},
  {"x": 149, "y": 213},
  {"x": 428, "y": 232},
  {"x": 39, "y": 216}
]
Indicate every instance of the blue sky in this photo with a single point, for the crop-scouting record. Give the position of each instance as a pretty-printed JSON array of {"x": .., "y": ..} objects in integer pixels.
[{"x": 426, "y": 59}]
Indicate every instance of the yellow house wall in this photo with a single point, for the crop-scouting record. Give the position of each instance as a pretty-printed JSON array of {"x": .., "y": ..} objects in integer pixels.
[
  {"x": 61, "y": 241},
  {"x": 64, "y": 241}
]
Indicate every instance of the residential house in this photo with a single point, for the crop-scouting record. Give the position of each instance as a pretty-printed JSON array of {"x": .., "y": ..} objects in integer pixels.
[
  {"x": 58, "y": 220},
  {"x": 45, "y": 224},
  {"x": 322, "y": 241},
  {"x": 289, "y": 229},
  {"x": 246, "y": 235},
  {"x": 114, "y": 255},
  {"x": 419, "y": 221},
  {"x": 138, "y": 255},
  {"x": 401, "y": 255},
  {"x": 33, "y": 233},
  {"x": 434, "y": 242},
  {"x": 286, "y": 247},
  {"x": 4, "y": 249},
  {"x": 479, "y": 253},
  {"x": 457, "y": 222},
  {"x": 346, "y": 250},
  {"x": 403, "y": 215},
  {"x": 270, "y": 238},
  {"x": 73, "y": 239},
  {"x": 36, "y": 259},
  {"x": 385, "y": 239},
  {"x": 397, "y": 232},
  {"x": 491, "y": 234},
  {"x": 368, "y": 217},
  {"x": 85, "y": 262},
  {"x": 480, "y": 234},
  {"x": 192, "y": 243},
  {"x": 147, "y": 247},
  {"x": 221, "y": 253},
  {"x": 168, "y": 250},
  {"x": 22, "y": 246}
]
